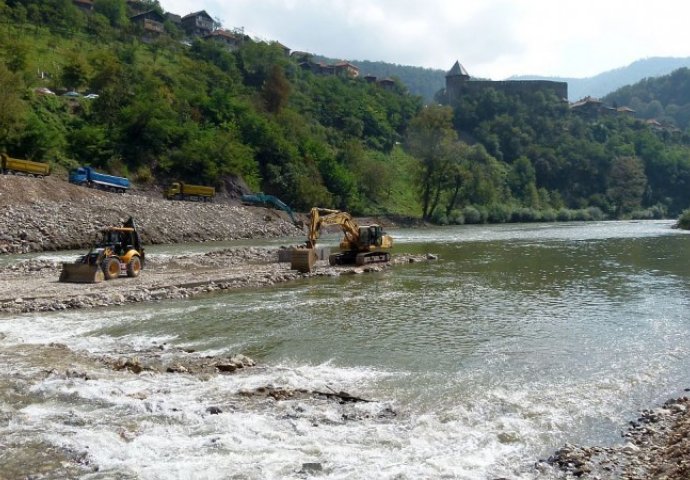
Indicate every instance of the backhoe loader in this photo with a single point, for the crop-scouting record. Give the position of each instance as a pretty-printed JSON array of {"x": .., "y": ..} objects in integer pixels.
[
  {"x": 360, "y": 245},
  {"x": 119, "y": 251}
]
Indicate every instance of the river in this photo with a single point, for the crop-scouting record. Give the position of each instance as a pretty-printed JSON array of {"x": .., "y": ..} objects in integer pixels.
[{"x": 520, "y": 338}]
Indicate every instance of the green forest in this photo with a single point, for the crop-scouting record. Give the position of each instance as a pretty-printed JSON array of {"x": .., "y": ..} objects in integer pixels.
[
  {"x": 172, "y": 107},
  {"x": 666, "y": 99}
]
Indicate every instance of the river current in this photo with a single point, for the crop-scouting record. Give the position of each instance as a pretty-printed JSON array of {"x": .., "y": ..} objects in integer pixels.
[{"x": 518, "y": 339}]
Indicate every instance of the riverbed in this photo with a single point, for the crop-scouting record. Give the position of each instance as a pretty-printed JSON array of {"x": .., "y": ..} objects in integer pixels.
[{"x": 519, "y": 339}]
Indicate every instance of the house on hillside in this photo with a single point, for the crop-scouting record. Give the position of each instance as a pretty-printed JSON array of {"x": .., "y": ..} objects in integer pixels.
[
  {"x": 587, "y": 107},
  {"x": 386, "y": 83},
  {"x": 86, "y": 5},
  {"x": 197, "y": 24},
  {"x": 231, "y": 39},
  {"x": 626, "y": 111},
  {"x": 150, "y": 22},
  {"x": 341, "y": 69},
  {"x": 346, "y": 69}
]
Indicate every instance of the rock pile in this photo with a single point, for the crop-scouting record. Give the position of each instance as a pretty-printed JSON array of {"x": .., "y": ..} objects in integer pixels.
[
  {"x": 657, "y": 446},
  {"x": 42, "y": 220}
]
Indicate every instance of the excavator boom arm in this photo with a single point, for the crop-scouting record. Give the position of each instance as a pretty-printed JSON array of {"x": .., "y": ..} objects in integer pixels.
[{"x": 320, "y": 217}]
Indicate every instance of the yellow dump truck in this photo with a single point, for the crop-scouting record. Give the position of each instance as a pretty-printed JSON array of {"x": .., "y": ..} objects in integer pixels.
[
  {"x": 185, "y": 191},
  {"x": 25, "y": 167}
]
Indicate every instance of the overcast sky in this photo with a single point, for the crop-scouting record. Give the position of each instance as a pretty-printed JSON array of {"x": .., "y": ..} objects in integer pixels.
[{"x": 491, "y": 38}]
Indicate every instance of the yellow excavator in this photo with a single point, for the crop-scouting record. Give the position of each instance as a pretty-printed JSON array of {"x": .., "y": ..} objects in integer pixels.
[
  {"x": 119, "y": 251},
  {"x": 360, "y": 245}
]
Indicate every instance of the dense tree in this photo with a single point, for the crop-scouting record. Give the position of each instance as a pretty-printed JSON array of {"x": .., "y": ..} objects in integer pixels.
[
  {"x": 114, "y": 10},
  {"x": 627, "y": 183},
  {"x": 431, "y": 139},
  {"x": 276, "y": 90}
]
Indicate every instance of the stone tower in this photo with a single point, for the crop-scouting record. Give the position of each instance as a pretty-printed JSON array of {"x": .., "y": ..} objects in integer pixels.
[{"x": 455, "y": 79}]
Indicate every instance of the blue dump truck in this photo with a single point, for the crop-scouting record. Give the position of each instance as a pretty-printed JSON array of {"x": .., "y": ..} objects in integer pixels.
[{"x": 88, "y": 177}]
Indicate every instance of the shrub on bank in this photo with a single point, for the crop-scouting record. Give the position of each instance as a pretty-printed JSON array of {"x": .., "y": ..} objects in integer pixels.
[
  {"x": 684, "y": 220},
  {"x": 499, "y": 213},
  {"x": 472, "y": 215},
  {"x": 564, "y": 215},
  {"x": 456, "y": 218},
  {"x": 657, "y": 212}
]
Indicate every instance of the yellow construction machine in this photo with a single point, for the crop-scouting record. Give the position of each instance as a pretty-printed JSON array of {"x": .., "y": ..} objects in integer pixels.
[
  {"x": 118, "y": 252},
  {"x": 360, "y": 245}
]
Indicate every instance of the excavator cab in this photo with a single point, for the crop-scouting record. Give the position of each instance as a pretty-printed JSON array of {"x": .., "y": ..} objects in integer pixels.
[
  {"x": 370, "y": 236},
  {"x": 119, "y": 250}
]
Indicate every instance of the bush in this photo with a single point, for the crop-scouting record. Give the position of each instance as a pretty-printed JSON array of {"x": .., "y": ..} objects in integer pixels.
[
  {"x": 652, "y": 213},
  {"x": 549, "y": 215},
  {"x": 143, "y": 175},
  {"x": 439, "y": 218},
  {"x": 684, "y": 220},
  {"x": 456, "y": 218},
  {"x": 564, "y": 215},
  {"x": 499, "y": 213},
  {"x": 581, "y": 215},
  {"x": 472, "y": 215},
  {"x": 525, "y": 214},
  {"x": 595, "y": 213}
]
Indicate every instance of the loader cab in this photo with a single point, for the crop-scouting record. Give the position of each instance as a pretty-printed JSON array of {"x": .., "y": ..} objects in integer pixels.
[
  {"x": 122, "y": 240},
  {"x": 119, "y": 240}
]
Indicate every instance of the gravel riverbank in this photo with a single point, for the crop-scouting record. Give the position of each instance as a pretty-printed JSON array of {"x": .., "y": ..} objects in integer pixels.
[{"x": 50, "y": 214}]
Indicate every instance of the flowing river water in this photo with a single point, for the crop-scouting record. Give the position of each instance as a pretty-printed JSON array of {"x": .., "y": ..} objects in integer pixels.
[{"x": 520, "y": 338}]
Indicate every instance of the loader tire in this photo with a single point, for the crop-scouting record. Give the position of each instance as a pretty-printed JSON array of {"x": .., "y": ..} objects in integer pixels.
[
  {"x": 111, "y": 268},
  {"x": 134, "y": 267}
]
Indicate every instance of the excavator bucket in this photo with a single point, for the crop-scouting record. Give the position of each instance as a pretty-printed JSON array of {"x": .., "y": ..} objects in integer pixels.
[
  {"x": 81, "y": 273},
  {"x": 303, "y": 259}
]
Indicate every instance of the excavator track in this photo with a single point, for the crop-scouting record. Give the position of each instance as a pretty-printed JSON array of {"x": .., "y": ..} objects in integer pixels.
[
  {"x": 359, "y": 259},
  {"x": 372, "y": 257}
]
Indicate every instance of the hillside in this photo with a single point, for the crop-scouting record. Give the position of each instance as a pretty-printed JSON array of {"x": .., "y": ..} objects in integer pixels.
[
  {"x": 665, "y": 99},
  {"x": 170, "y": 106},
  {"x": 609, "y": 81},
  {"x": 98, "y": 88}
]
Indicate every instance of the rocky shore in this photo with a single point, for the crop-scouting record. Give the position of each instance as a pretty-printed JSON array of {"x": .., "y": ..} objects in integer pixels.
[{"x": 655, "y": 446}]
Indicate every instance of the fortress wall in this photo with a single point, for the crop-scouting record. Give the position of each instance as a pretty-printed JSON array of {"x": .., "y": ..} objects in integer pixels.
[{"x": 457, "y": 86}]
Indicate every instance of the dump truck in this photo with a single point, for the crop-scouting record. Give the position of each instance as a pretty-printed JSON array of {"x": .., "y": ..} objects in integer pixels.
[
  {"x": 186, "y": 191},
  {"x": 24, "y": 167},
  {"x": 361, "y": 245},
  {"x": 118, "y": 252},
  {"x": 262, "y": 199},
  {"x": 88, "y": 177}
]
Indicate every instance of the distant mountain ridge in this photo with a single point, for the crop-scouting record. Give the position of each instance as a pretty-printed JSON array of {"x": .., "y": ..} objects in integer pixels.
[{"x": 606, "y": 82}]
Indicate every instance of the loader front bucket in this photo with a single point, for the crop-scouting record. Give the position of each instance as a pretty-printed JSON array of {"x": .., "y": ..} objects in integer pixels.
[
  {"x": 81, "y": 273},
  {"x": 303, "y": 259}
]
